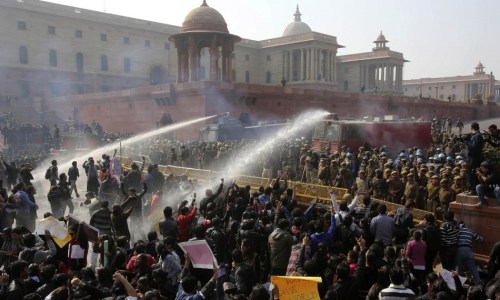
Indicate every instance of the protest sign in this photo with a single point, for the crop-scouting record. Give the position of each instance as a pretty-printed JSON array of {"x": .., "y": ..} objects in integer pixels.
[
  {"x": 53, "y": 226},
  {"x": 450, "y": 281},
  {"x": 200, "y": 253},
  {"x": 296, "y": 287},
  {"x": 90, "y": 231}
]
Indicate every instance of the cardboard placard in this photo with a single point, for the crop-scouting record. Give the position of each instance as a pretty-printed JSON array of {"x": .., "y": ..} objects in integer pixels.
[{"x": 91, "y": 232}]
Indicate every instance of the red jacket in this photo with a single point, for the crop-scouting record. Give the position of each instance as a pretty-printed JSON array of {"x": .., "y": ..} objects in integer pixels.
[{"x": 184, "y": 223}]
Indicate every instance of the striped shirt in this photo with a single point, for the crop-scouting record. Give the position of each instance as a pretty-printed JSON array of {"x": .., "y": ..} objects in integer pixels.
[
  {"x": 396, "y": 292},
  {"x": 466, "y": 236},
  {"x": 449, "y": 234}
]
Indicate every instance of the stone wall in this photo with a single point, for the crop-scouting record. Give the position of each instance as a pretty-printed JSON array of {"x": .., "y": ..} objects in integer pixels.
[{"x": 139, "y": 110}]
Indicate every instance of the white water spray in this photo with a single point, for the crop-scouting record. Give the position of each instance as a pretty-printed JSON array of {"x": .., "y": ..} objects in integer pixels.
[
  {"x": 65, "y": 165},
  {"x": 244, "y": 158}
]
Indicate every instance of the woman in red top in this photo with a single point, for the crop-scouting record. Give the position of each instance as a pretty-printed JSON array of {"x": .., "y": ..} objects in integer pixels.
[{"x": 415, "y": 252}]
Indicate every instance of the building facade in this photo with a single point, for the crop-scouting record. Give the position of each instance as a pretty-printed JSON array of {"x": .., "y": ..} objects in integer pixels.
[
  {"x": 51, "y": 50},
  {"x": 378, "y": 71},
  {"x": 478, "y": 87}
]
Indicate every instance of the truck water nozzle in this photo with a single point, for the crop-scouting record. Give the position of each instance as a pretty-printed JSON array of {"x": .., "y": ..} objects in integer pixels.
[{"x": 222, "y": 115}]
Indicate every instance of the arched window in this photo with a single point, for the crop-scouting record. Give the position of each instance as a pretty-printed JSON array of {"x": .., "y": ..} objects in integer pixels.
[
  {"x": 268, "y": 77},
  {"x": 126, "y": 65},
  {"x": 247, "y": 76},
  {"x": 23, "y": 55},
  {"x": 53, "y": 58},
  {"x": 79, "y": 62},
  {"x": 104, "y": 63}
]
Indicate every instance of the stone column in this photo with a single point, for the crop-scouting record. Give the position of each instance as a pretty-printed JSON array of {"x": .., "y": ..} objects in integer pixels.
[
  {"x": 193, "y": 64},
  {"x": 229, "y": 70},
  {"x": 288, "y": 77},
  {"x": 302, "y": 65},
  {"x": 326, "y": 64},
  {"x": 180, "y": 75},
  {"x": 308, "y": 66},
  {"x": 292, "y": 65},
  {"x": 214, "y": 59},
  {"x": 227, "y": 62}
]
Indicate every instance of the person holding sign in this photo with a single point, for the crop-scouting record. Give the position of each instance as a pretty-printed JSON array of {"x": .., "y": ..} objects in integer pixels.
[
  {"x": 78, "y": 247},
  {"x": 187, "y": 288}
]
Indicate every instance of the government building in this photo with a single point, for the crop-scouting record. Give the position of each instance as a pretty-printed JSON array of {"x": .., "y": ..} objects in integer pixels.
[
  {"x": 478, "y": 87},
  {"x": 51, "y": 50},
  {"x": 134, "y": 75}
]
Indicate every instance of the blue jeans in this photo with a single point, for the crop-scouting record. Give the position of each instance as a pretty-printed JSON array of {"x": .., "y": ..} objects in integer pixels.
[
  {"x": 465, "y": 257},
  {"x": 486, "y": 191}
]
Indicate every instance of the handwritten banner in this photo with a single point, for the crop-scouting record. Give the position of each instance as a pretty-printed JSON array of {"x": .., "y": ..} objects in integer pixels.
[{"x": 297, "y": 287}]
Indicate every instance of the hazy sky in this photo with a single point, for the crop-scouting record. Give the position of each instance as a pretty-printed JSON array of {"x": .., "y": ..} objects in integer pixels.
[{"x": 438, "y": 37}]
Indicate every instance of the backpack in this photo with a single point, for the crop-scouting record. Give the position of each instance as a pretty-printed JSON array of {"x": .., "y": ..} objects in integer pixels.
[
  {"x": 48, "y": 173},
  {"x": 400, "y": 219}
]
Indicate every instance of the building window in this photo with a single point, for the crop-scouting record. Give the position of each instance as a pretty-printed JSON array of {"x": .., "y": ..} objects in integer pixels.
[
  {"x": 453, "y": 97},
  {"x": 52, "y": 30},
  {"x": 247, "y": 57},
  {"x": 441, "y": 96},
  {"x": 126, "y": 40},
  {"x": 104, "y": 63},
  {"x": 346, "y": 86},
  {"x": 53, "y": 58},
  {"x": 406, "y": 89},
  {"x": 79, "y": 62},
  {"x": 268, "y": 77},
  {"x": 442, "y": 87},
  {"x": 25, "y": 88},
  {"x": 126, "y": 65},
  {"x": 429, "y": 88},
  {"x": 55, "y": 89},
  {"x": 167, "y": 46},
  {"x": 21, "y": 25},
  {"x": 104, "y": 37},
  {"x": 269, "y": 58},
  {"x": 247, "y": 76},
  {"x": 23, "y": 55},
  {"x": 147, "y": 43},
  {"x": 82, "y": 89},
  {"x": 78, "y": 34},
  {"x": 453, "y": 87}
]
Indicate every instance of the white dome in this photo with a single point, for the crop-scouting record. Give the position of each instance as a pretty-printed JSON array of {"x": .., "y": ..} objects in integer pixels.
[{"x": 297, "y": 26}]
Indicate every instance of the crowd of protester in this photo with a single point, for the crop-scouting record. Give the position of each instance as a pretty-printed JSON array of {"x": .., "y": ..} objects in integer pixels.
[{"x": 358, "y": 248}]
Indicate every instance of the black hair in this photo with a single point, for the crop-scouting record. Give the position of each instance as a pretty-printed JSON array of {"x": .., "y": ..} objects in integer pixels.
[
  {"x": 152, "y": 235},
  {"x": 17, "y": 267},
  {"x": 382, "y": 209},
  {"x": 396, "y": 275},
  {"x": 237, "y": 256},
  {"x": 29, "y": 240},
  {"x": 343, "y": 271},
  {"x": 167, "y": 211},
  {"x": 259, "y": 293},
  {"x": 449, "y": 215}
]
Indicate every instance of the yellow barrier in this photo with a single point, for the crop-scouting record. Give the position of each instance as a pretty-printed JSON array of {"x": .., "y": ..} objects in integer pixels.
[{"x": 304, "y": 193}]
